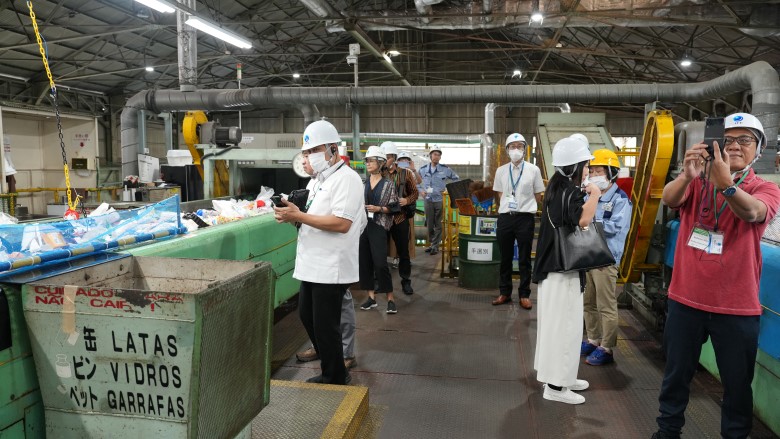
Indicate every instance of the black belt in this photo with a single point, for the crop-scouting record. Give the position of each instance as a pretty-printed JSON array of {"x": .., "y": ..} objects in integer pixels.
[{"x": 516, "y": 213}]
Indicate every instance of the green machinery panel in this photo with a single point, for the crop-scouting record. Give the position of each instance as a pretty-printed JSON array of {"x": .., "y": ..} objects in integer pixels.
[
  {"x": 258, "y": 238},
  {"x": 21, "y": 410},
  {"x": 152, "y": 347}
]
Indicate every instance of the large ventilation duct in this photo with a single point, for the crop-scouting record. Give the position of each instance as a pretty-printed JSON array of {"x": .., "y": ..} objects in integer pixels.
[{"x": 759, "y": 77}]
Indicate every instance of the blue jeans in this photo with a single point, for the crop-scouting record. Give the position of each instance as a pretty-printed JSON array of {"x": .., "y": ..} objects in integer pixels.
[{"x": 735, "y": 341}]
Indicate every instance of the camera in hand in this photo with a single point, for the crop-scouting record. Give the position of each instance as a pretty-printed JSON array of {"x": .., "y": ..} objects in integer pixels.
[
  {"x": 299, "y": 197},
  {"x": 714, "y": 130}
]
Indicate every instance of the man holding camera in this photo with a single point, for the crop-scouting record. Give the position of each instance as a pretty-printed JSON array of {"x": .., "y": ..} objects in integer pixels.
[
  {"x": 406, "y": 188},
  {"x": 326, "y": 260},
  {"x": 724, "y": 209}
]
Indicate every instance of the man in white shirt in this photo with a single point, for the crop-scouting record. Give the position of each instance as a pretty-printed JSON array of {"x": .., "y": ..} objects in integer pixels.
[
  {"x": 520, "y": 187},
  {"x": 326, "y": 260}
]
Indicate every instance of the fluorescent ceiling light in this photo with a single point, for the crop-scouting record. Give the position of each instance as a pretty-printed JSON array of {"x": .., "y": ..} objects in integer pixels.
[
  {"x": 393, "y": 52},
  {"x": 537, "y": 17},
  {"x": 686, "y": 62},
  {"x": 149, "y": 68},
  {"x": 387, "y": 57},
  {"x": 517, "y": 73},
  {"x": 296, "y": 75},
  {"x": 216, "y": 31},
  {"x": 158, "y": 5}
]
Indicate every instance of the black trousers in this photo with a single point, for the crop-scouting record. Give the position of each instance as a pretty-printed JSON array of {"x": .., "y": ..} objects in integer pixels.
[
  {"x": 319, "y": 306},
  {"x": 400, "y": 234},
  {"x": 735, "y": 340},
  {"x": 511, "y": 228},
  {"x": 373, "y": 259}
]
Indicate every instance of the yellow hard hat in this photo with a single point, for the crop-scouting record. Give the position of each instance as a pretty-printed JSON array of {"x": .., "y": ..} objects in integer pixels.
[{"x": 605, "y": 157}]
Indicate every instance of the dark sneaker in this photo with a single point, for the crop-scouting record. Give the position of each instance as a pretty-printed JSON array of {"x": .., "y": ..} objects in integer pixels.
[
  {"x": 600, "y": 357},
  {"x": 406, "y": 286},
  {"x": 349, "y": 363},
  {"x": 428, "y": 249},
  {"x": 661, "y": 435},
  {"x": 316, "y": 379},
  {"x": 434, "y": 251},
  {"x": 587, "y": 348},
  {"x": 368, "y": 304},
  {"x": 307, "y": 355},
  {"x": 391, "y": 309}
]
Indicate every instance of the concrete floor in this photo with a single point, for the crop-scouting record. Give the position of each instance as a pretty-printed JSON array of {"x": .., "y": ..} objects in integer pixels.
[{"x": 451, "y": 365}]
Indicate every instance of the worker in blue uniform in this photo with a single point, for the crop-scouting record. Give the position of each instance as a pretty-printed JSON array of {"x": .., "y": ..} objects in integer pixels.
[{"x": 434, "y": 176}]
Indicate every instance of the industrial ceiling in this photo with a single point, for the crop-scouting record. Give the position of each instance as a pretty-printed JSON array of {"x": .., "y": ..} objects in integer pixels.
[{"x": 99, "y": 50}]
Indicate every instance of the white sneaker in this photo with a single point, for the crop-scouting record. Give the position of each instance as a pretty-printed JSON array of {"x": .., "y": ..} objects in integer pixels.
[
  {"x": 579, "y": 385},
  {"x": 565, "y": 395}
]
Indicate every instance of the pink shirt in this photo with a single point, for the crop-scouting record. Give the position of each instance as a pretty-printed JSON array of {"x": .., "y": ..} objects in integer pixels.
[{"x": 727, "y": 283}]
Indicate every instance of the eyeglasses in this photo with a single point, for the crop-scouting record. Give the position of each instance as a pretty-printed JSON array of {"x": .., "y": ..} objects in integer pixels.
[{"x": 742, "y": 140}]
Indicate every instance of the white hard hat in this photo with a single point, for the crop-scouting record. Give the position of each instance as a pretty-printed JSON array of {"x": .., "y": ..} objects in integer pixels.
[
  {"x": 580, "y": 136},
  {"x": 319, "y": 133},
  {"x": 389, "y": 148},
  {"x": 375, "y": 152},
  {"x": 515, "y": 137},
  {"x": 406, "y": 155},
  {"x": 569, "y": 151},
  {"x": 745, "y": 120},
  {"x": 434, "y": 148}
]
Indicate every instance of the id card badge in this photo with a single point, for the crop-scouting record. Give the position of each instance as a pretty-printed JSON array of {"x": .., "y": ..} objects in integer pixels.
[
  {"x": 511, "y": 203},
  {"x": 706, "y": 240}
]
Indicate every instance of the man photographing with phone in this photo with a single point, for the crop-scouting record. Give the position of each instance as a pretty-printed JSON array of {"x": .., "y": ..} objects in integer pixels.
[{"x": 724, "y": 209}]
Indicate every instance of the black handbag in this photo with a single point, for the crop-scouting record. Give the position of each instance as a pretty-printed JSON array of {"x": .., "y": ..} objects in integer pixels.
[{"x": 580, "y": 249}]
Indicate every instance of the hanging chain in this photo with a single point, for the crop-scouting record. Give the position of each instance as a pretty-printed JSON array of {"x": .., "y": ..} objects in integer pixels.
[{"x": 72, "y": 204}]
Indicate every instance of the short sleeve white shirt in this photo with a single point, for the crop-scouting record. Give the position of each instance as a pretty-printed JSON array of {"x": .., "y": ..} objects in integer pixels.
[
  {"x": 525, "y": 192},
  {"x": 330, "y": 257}
]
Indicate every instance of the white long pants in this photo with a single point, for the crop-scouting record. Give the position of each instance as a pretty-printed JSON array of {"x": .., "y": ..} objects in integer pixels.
[{"x": 558, "y": 329}]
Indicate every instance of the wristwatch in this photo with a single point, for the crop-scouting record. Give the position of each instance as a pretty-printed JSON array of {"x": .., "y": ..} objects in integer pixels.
[{"x": 729, "y": 191}]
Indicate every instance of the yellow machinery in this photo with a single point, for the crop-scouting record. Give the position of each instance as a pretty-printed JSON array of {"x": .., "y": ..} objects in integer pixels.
[
  {"x": 652, "y": 168},
  {"x": 190, "y": 130}
]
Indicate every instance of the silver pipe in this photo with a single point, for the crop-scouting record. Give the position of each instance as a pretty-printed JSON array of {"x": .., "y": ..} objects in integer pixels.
[
  {"x": 310, "y": 113},
  {"x": 759, "y": 77},
  {"x": 188, "y": 49}
]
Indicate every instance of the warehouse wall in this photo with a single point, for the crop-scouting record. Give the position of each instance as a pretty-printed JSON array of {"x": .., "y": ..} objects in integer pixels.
[{"x": 37, "y": 157}]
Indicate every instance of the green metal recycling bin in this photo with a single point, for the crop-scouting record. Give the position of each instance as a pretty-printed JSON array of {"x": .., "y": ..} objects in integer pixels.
[
  {"x": 478, "y": 257},
  {"x": 144, "y": 347}
]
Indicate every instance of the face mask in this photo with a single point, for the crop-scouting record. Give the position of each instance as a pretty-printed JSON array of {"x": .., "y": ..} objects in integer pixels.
[
  {"x": 515, "y": 155},
  {"x": 600, "y": 181},
  {"x": 318, "y": 162},
  {"x": 403, "y": 164}
]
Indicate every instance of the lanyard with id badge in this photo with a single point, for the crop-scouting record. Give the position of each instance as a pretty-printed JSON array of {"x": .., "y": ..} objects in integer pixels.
[
  {"x": 710, "y": 239},
  {"x": 511, "y": 200}
]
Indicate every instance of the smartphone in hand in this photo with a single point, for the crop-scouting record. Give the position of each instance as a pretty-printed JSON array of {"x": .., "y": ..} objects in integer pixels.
[
  {"x": 277, "y": 200},
  {"x": 714, "y": 131}
]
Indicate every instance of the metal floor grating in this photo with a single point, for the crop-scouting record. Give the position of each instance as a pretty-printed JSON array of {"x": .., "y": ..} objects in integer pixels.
[{"x": 451, "y": 365}]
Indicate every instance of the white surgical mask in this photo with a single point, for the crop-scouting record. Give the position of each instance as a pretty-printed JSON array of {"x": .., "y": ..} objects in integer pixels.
[
  {"x": 600, "y": 181},
  {"x": 515, "y": 155},
  {"x": 318, "y": 162}
]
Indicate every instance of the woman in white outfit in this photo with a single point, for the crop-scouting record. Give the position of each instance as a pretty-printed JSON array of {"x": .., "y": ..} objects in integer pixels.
[{"x": 559, "y": 311}]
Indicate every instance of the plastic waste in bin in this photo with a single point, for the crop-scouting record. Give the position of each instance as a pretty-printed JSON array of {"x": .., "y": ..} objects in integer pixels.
[{"x": 152, "y": 347}]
